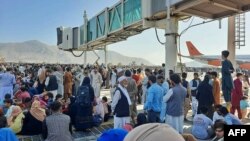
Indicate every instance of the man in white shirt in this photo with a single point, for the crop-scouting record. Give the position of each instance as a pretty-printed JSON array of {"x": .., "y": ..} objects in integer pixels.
[
  {"x": 120, "y": 104},
  {"x": 113, "y": 82},
  {"x": 96, "y": 82}
]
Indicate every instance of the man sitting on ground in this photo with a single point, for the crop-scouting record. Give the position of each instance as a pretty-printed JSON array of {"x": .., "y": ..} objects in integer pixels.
[{"x": 201, "y": 123}]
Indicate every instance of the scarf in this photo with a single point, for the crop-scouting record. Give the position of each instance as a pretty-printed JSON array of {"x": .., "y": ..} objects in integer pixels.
[
  {"x": 42, "y": 76},
  {"x": 36, "y": 111},
  {"x": 125, "y": 92}
]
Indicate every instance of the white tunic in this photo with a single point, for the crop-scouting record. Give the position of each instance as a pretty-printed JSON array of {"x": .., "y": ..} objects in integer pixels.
[
  {"x": 119, "y": 122},
  {"x": 96, "y": 83}
]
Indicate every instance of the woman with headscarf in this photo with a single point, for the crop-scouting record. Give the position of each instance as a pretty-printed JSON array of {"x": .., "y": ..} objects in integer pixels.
[
  {"x": 32, "y": 123},
  {"x": 81, "y": 112},
  {"x": 205, "y": 96},
  {"x": 15, "y": 121}
]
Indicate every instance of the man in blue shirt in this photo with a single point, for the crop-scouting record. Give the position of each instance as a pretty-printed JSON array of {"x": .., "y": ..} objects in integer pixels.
[
  {"x": 226, "y": 79},
  {"x": 201, "y": 123},
  {"x": 7, "y": 81},
  {"x": 229, "y": 118},
  {"x": 154, "y": 99},
  {"x": 165, "y": 87}
]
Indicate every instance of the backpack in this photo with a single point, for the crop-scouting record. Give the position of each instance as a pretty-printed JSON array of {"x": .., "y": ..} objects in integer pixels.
[
  {"x": 97, "y": 120},
  {"x": 83, "y": 97}
]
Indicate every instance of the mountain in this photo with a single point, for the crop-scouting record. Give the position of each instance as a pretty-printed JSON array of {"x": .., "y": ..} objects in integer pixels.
[{"x": 37, "y": 52}]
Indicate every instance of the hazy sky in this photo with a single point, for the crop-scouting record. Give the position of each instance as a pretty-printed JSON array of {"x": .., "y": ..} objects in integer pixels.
[{"x": 22, "y": 20}]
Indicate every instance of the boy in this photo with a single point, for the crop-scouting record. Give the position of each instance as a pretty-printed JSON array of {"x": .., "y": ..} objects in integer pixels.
[
  {"x": 243, "y": 106},
  {"x": 8, "y": 107}
]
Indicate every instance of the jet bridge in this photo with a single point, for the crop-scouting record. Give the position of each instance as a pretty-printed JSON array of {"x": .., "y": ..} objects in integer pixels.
[{"x": 130, "y": 17}]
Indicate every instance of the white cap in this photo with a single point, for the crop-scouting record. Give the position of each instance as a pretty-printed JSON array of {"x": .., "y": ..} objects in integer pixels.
[{"x": 120, "y": 79}]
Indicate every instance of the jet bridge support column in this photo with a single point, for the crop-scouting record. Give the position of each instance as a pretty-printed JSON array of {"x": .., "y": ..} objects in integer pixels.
[
  {"x": 231, "y": 40},
  {"x": 171, "y": 45},
  {"x": 85, "y": 58},
  {"x": 106, "y": 56}
]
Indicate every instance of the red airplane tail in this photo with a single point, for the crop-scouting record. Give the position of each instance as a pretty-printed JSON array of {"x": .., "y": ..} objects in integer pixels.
[{"x": 193, "y": 51}]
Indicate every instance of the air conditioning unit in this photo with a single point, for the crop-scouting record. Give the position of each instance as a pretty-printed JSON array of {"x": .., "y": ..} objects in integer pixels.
[
  {"x": 65, "y": 38},
  {"x": 156, "y": 9}
]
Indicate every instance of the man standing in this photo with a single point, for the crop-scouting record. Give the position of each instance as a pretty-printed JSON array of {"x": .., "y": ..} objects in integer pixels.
[
  {"x": 68, "y": 82},
  {"x": 193, "y": 86},
  {"x": 51, "y": 83},
  {"x": 145, "y": 84},
  {"x": 7, "y": 81},
  {"x": 187, "y": 102},
  {"x": 165, "y": 87},
  {"x": 227, "y": 80},
  {"x": 154, "y": 100},
  {"x": 59, "y": 77},
  {"x": 237, "y": 95},
  {"x": 96, "y": 82},
  {"x": 113, "y": 82},
  {"x": 120, "y": 104},
  {"x": 216, "y": 88},
  {"x": 132, "y": 91},
  {"x": 175, "y": 104}
]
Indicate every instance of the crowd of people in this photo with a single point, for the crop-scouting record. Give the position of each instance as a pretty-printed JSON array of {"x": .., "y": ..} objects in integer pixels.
[{"x": 54, "y": 100}]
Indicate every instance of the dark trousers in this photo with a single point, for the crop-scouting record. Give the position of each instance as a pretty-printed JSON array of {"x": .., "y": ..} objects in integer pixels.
[
  {"x": 153, "y": 116},
  {"x": 139, "y": 93}
]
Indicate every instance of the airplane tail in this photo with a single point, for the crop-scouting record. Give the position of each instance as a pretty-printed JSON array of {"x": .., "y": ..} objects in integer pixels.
[{"x": 193, "y": 51}]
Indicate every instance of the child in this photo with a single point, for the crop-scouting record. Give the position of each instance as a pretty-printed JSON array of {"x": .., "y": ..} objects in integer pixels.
[
  {"x": 8, "y": 107},
  {"x": 48, "y": 98},
  {"x": 141, "y": 119},
  {"x": 107, "y": 108},
  {"x": 7, "y": 96},
  {"x": 65, "y": 104},
  {"x": 243, "y": 106}
]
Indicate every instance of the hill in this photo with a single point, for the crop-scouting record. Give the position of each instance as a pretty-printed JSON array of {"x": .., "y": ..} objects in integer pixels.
[{"x": 37, "y": 52}]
